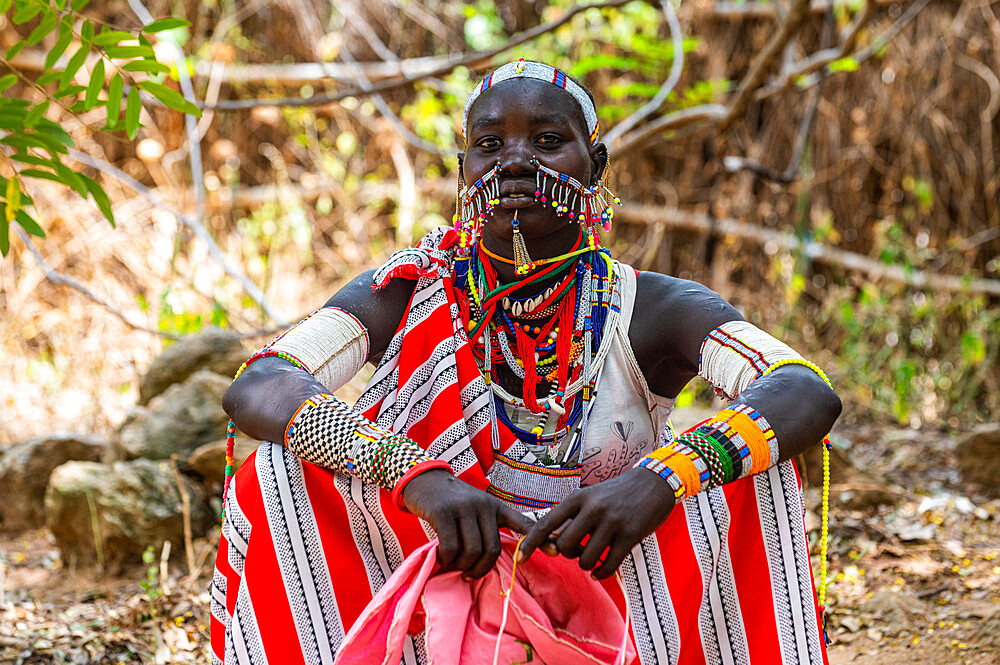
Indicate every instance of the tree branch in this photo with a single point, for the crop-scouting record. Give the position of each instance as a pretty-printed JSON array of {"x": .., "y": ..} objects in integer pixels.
[
  {"x": 763, "y": 63},
  {"x": 676, "y": 68},
  {"x": 777, "y": 240},
  {"x": 444, "y": 66},
  {"x": 57, "y": 277},
  {"x": 195, "y": 225}
]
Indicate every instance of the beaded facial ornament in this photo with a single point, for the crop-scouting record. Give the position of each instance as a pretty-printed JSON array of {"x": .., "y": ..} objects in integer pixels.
[{"x": 568, "y": 196}]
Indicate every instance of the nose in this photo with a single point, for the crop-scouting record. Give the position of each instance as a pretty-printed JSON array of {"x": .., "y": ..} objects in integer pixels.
[{"x": 516, "y": 159}]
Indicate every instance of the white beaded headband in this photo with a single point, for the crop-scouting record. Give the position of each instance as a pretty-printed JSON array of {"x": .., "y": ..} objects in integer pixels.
[{"x": 541, "y": 72}]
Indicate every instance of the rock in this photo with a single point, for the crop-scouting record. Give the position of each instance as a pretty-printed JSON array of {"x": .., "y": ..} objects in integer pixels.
[
  {"x": 209, "y": 460},
  {"x": 898, "y": 609},
  {"x": 212, "y": 348},
  {"x": 988, "y": 635},
  {"x": 185, "y": 416},
  {"x": 978, "y": 457},
  {"x": 110, "y": 513},
  {"x": 24, "y": 473}
]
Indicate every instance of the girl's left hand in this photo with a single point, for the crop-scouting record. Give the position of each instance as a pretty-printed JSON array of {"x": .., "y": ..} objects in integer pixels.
[{"x": 616, "y": 514}]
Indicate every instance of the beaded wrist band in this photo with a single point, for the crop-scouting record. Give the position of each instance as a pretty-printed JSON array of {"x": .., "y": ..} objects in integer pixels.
[
  {"x": 327, "y": 432},
  {"x": 735, "y": 443}
]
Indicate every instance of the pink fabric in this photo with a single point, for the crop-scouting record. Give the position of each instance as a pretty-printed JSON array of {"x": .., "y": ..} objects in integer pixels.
[{"x": 557, "y": 615}]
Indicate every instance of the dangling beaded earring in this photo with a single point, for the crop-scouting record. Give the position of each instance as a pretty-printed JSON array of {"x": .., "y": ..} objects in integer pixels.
[{"x": 522, "y": 262}]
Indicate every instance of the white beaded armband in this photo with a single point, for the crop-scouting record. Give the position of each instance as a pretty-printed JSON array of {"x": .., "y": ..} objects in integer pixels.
[
  {"x": 330, "y": 343},
  {"x": 736, "y": 353}
]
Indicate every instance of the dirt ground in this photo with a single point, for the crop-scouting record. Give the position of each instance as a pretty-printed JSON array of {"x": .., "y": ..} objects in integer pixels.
[{"x": 915, "y": 576}]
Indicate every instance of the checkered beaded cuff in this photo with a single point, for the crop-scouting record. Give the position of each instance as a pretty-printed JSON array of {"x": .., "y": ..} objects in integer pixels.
[{"x": 329, "y": 433}]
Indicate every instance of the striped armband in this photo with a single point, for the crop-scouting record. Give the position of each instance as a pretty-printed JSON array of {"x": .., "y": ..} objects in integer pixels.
[
  {"x": 736, "y": 443},
  {"x": 327, "y": 432},
  {"x": 738, "y": 352},
  {"x": 331, "y": 344}
]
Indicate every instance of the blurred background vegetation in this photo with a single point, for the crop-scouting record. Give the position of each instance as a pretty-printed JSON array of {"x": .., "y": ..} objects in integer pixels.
[{"x": 831, "y": 168}]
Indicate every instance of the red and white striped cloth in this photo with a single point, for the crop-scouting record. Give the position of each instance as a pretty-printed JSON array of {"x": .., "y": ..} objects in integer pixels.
[{"x": 726, "y": 579}]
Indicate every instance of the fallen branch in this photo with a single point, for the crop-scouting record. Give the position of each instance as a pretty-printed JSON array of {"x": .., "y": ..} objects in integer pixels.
[{"x": 816, "y": 251}]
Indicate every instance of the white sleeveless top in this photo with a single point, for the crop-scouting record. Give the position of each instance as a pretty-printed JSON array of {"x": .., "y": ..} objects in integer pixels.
[{"x": 626, "y": 421}]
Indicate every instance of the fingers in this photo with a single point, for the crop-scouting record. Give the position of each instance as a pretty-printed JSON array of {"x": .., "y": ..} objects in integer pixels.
[
  {"x": 513, "y": 520},
  {"x": 490, "y": 534},
  {"x": 619, "y": 550},
  {"x": 595, "y": 547},
  {"x": 472, "y": 542},
  {"x": 448, "y": 543},
  {"x": 568, "y": 541},
  {"x": 545, "y": 526}
]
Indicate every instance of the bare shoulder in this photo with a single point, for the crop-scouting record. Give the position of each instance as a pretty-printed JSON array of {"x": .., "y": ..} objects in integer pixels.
[
  {"x": 379, "y": 310},
  {"x": 670, "y": 319}
]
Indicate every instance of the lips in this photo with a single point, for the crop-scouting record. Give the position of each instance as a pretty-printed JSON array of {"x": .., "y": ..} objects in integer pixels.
[{"x": 517, "y": 194}]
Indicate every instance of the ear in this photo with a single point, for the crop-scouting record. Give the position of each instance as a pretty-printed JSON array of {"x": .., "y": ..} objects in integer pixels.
[{"x": 599, "y": 160}]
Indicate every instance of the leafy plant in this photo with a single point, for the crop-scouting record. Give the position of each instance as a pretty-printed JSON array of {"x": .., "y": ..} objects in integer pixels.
[{"x": 36, "y": 146}]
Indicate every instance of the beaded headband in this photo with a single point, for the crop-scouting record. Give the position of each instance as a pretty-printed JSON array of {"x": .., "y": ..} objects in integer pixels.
[{"x": 541, "y": 72}]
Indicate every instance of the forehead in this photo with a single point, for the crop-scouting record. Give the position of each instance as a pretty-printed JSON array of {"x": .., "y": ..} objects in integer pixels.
[{"x": 520, "y": 98}]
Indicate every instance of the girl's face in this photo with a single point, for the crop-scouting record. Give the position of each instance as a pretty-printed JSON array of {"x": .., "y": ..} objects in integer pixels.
[{"x": 513, "y": 122}]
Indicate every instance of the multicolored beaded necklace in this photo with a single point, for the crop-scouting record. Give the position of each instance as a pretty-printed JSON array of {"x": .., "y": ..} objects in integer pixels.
[{"x": 557, "y": 349}]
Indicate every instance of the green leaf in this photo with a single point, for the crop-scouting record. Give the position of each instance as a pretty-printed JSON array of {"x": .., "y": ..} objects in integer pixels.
[
  {"x": 15, "y": 49},
  {"x": 36, "y": 114},
  {"x": 4, "y": 235},
  {"x": 5, "y": 5},
  {"x": 77, "y": 5},
  {"x": 43, "y": 175},
  {"x": 68, "y": 91},
  {"x": 130, "y": 52},
  {"x": 36, "y": 140},
  {"x": 7, "y": 81},
  {"x": 27, "y": 158},
  {"x": 29, "y": 224},
  {"x": 44, "y": 27},
  {"x": 73, "y": 66},
  {"x": 147, "y": 66},
  {"x": 170, "y": 98},
  {"x": 49, "y": 77},
  {"x": 162, "y": 24},
  {"x": 71, "y": 178},
  {"x": 133, "y": 104},
  {"x": 13, "y": 197},
  {"x": 95, "y": 86},
  {"x": 114, "y": 104},
  {"x": 54, "y": 130},
  {"x": 112, "y": 37},
  {"x": 26, "y": 12},
  {"x": 87, "y": 32},
  {"x": 100, "y": 198},
  {"x": 65, "y": 37}
]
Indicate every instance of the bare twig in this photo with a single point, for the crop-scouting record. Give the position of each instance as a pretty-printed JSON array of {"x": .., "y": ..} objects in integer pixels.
[
  {"x": 360, "y": 79},
  {"x": 57, "y": 277},
  {"x": 805, "y": 75},
  {"x": 763, "y": 63},
  {"x": 190, "y": 122},
  {"x": 185, "y": 513},
  {"x": 775, "y": 240},
  {"x": 672, "y": 120},
  {"x": 195, "y": 225},
  {"x": 445, "y": 65},
  {"x": 676, "y": 68}
]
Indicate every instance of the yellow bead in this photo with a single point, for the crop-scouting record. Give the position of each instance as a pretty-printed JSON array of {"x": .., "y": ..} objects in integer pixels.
[{"x": 537, "y": 430}]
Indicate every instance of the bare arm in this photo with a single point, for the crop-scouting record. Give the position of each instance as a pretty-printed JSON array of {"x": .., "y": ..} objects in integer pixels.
[{"x": 266, "y": 395}]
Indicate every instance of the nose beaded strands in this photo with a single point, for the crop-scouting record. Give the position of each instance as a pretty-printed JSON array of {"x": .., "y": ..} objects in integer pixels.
[
  {"x": 588, "y": 206},
  {"x": 476, "y": 202}
]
